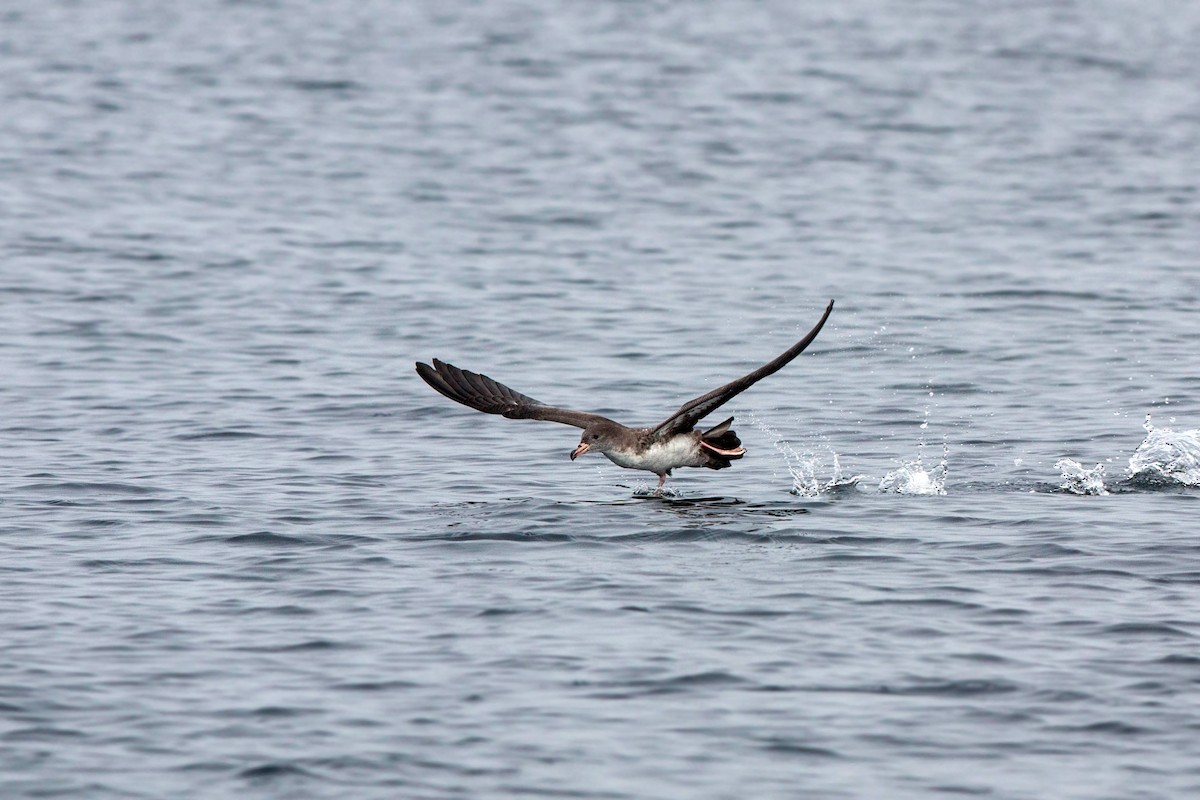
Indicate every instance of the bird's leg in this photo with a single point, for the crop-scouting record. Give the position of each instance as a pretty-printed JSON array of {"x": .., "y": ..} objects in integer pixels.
[{"x": 662, "y": 478}]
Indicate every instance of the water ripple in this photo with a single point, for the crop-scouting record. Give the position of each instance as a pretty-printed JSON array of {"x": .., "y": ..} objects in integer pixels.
[{"x": 247, "y": 551}]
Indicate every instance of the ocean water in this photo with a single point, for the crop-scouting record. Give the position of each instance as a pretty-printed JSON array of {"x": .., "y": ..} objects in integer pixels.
[{"x": 246, "y": 552}]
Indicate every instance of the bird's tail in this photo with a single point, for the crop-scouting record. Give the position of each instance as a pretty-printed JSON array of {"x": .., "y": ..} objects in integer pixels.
[{"x": 721, "y": 445}]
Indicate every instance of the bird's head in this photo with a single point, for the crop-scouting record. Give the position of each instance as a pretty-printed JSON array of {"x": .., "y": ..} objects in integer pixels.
[{"x": 597, "y": 438}]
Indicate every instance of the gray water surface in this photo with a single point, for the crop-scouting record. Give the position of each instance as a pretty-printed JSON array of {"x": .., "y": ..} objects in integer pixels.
[{"x": 245, "y": 552}]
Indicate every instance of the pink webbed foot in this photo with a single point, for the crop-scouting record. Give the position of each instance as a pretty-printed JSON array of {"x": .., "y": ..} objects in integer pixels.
[{"x": 734, "y": 453}]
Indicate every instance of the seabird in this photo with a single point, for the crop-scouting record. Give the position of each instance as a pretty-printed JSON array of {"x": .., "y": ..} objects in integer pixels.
[{"x": 659, "y": 449}]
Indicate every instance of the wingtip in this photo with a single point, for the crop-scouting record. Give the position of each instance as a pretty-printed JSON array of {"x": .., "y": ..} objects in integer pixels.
[
  {"x": 825, "y": 315},
  {"x": 435, "y": 380},
  {"x": 438, "y": 368},
  {"x": 428, "y": 373}
]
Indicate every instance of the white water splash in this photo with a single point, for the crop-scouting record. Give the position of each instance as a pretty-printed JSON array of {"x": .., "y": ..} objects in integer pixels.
[
  {"x": 805, "y": 469},
  {"x": 646, "y": 489},
  {"x": 1079, "y": 480},
  {"x": 805, "y": 482},
  {"x": 913, "y": 478},
  {"x": 1166, "y": 458}
]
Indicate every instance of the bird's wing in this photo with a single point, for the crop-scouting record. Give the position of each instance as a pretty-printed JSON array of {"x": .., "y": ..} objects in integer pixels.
[
  {"x": 693, "y": 411},
  {"x": 492, "y": 397}
]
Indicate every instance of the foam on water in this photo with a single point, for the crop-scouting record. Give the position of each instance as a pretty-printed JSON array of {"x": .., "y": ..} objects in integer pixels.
[{"x": 1166, "y": 458}]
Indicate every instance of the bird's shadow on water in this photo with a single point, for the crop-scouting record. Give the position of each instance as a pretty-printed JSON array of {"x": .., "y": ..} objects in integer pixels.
[
  {"x": 714, "y": 504},
  {"x": 638, "y": 517}
]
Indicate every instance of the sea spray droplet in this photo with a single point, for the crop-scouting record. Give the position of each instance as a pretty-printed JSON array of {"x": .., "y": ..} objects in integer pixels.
[{"x": 1078, "y": 480}]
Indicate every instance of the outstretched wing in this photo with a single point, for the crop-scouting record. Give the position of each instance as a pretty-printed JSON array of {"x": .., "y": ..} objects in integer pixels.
[
  {"x": 693, "y": 411},
  {"x": 484, "y": 394}
]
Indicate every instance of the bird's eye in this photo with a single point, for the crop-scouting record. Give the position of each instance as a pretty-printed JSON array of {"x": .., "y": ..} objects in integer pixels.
[{"x": 595, "y": 436}]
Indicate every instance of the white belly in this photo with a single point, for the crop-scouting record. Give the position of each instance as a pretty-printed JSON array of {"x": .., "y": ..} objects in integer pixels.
[{"x": 681, "y": 451}]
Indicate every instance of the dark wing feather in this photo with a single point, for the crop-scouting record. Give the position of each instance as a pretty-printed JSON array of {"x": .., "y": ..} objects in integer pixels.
[
  {"x": 484, "y": 394},
  {"x": 693, "y": 411}
]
